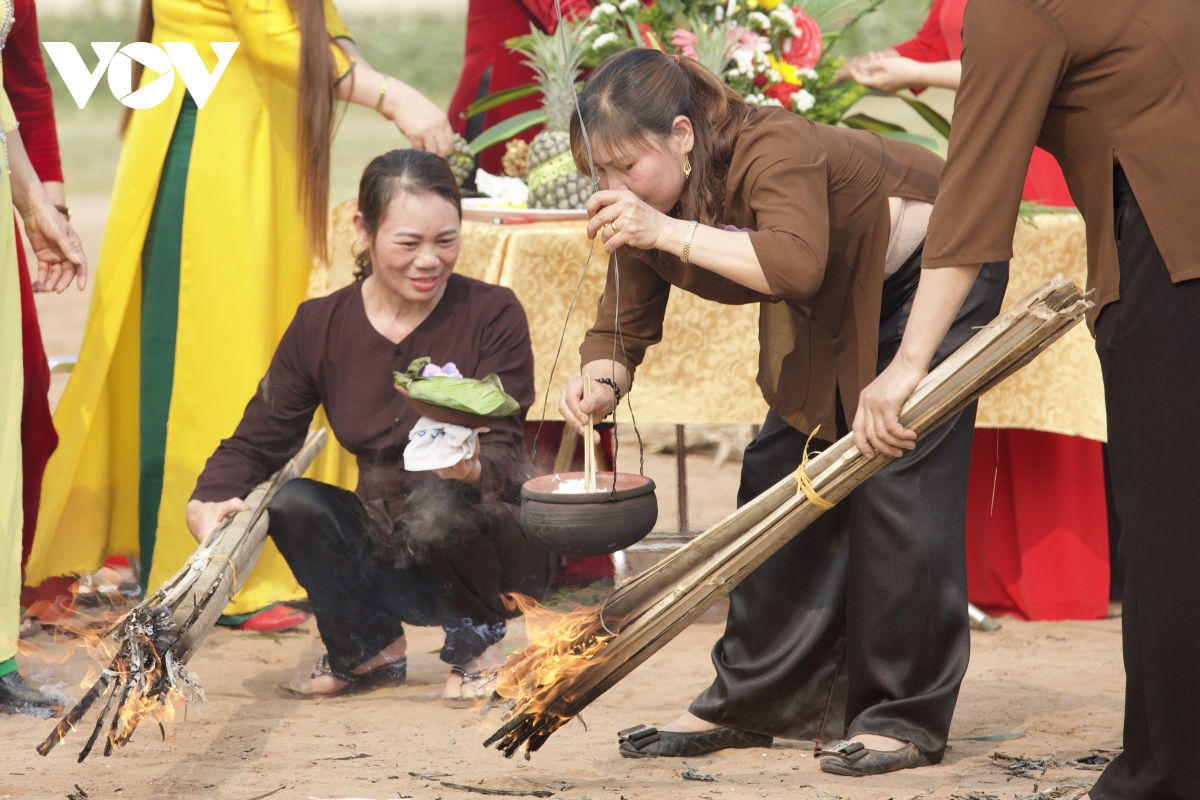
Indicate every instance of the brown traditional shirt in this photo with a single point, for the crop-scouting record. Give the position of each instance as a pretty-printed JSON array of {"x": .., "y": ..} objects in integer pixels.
[
  {"x": 815, "y": 198},
  {"x": 332, "y": 356},
  {"x": 1093, "y": 83}
]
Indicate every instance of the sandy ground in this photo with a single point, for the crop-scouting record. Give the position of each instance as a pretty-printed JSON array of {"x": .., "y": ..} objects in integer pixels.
[{"x": 1059, "y": 684}]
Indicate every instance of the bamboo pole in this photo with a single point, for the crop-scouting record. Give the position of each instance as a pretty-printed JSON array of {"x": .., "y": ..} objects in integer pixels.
[
  {"x": 160, "y": 635},
  {"x": 645, "y": 614},
  {"x": 589, "y": 449}
]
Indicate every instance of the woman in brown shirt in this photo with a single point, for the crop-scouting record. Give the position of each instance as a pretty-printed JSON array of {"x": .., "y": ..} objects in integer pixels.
[
  {"x": 858, "y": 627},
  {"x": 417, "y": 547},
  {"x": 1112, "y": 90}
]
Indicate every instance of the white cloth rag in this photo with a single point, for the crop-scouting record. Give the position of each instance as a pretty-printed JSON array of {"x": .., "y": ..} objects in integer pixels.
[{"x": 439, "y": 445}]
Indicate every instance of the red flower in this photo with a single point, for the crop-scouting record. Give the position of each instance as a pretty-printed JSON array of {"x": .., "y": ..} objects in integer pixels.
[
  {"x": 782, "y": 92},
  {"x": 648, "y": 37},
  {"x": 803, "y": 50}
]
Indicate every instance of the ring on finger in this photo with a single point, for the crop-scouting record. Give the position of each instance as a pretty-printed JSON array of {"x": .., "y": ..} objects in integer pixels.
[{"x": 614, "y": 227}]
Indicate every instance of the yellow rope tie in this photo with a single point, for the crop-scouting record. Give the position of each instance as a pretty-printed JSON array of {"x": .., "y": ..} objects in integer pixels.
[
  {"x": 804, "y": 484},
  {"x": 228, "y": 560}
]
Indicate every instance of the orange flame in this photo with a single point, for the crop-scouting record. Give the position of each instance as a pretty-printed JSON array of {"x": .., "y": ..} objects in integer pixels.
[
  {"x": 560, "y": 645},
  {"x": 142, "y": 691}
]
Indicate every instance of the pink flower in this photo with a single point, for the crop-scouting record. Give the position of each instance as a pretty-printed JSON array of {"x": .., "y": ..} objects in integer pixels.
[
  {"x": 685, "y": 40},
  {"x": 746, "y": 39}
]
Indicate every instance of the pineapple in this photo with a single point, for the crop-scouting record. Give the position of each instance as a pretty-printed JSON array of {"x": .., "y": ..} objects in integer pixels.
[
  {"x": 462, "y": 160},
  {"x": 553, "y": 180}
]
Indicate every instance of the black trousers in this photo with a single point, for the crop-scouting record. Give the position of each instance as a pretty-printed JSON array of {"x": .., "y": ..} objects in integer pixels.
[
  {"x": 859, "y": 624},
  {"x": 1149, "y": 347},
  {"x": 361, "y": 599}
]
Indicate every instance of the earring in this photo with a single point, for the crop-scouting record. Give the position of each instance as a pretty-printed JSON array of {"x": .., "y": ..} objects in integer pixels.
[{"x": 687, "y": 167}]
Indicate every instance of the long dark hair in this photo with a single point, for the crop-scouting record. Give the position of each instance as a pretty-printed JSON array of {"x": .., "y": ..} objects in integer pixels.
[
  {"x": 637, "y": 94},
  {"x": 314, "y": 110},
  {"x": 412, "y": 171}
]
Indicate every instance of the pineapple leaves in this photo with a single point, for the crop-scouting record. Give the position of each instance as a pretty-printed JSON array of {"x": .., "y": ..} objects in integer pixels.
[
  {"x": 935, "y": 120},
  {"x": 503, "y": 131},
  {"x": 496, "y": 99},
  {"x": 928, "y": 142},
  {"x": 500, "y": 98},
  {"x": 864, "y": 123}
]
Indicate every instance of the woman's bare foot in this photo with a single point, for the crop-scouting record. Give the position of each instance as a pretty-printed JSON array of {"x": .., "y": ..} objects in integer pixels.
[
  {"x": 459, "y": 689},
  {"x": 884, "y": 744},
  {"x": 327, "y": 684},
  {"x": 687, "y": 722}
]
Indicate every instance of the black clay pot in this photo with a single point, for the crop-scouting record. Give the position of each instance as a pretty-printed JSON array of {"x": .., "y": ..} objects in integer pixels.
[{"x": 583, "y": 524}]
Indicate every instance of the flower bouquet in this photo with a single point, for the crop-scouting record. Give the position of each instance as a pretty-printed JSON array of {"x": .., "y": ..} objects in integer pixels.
[{"x": 771, "y": 52}]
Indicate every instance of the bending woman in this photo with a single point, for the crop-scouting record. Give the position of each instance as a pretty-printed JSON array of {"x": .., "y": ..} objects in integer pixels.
[
  {"x": 858, "y": 627},
  {"x": 417, "y": 547},
  {"x": 216, "y": 217}
]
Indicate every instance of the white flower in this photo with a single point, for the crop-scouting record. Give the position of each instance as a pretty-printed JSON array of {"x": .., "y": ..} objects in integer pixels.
[
  {"x": 629, "y": 5},
  {"x": 802, "y": 101},
  {"x": 782, "y": 17},
  {"x": 604, "y": 40},
  {"x": 758, "y": 21},
  {"x": 588, "y": 32},
  {"x": 601, "y": 11},
  {"x": 773, "y": 76},
  {"x": 743, "y": 62},
  {"x": 759, "y": 99},
  {"x": 807, "y": 74}
]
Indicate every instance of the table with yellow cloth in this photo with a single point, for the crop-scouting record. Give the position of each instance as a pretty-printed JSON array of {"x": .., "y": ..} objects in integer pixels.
[{"x": 704, "y": 369}]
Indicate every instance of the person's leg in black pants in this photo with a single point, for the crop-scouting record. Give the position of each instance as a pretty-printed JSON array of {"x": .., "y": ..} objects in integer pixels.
[
  {"x": 470, "y": 552},
  {"x": 464, "y": 554},
  {"x": 908, "y": 634},
  {"x": 1149, "y": 347},
  {"x": 359, "y": 602},
  {"x": 860, "y": 622},
  {"x": 779, "y": 663}
]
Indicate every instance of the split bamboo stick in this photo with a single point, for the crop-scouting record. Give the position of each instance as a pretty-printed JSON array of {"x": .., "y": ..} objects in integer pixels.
[
  {"x": 645, "y": 614},
  {"x": 159, "y": 636},
  {"x": 589, "y": 449}
]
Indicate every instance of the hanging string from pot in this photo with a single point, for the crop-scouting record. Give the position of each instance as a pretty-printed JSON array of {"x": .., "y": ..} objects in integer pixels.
[{"x": 619, "y": 339}]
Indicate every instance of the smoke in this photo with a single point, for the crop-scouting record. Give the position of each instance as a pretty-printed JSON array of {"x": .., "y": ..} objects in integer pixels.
[{"x": 438, "y": 515}]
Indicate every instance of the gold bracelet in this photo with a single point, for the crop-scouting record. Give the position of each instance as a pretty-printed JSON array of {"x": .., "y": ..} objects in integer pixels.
[
  {"x": 382, "y": 94},
  {"x": 687, "y": 241}
]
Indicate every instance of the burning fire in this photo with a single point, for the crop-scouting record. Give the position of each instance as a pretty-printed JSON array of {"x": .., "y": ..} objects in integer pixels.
[
  {"x": 529, "y": 688},
  {"x": 559, "y": 645},
  {"x": 136, "y": 650}
]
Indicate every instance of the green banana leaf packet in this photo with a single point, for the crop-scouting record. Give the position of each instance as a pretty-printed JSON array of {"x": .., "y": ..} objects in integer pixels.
[{"x": 485, "y": 398}]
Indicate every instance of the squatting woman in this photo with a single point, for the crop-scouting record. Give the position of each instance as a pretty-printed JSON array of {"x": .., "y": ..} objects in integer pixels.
[
  {"x": 857, "y": 628},
  {"x": 216, "y": 217},
  {"x": 418, "y": 547}
]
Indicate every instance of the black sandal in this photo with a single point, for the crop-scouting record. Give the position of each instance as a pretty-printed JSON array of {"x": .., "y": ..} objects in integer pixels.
[
  {"x": 483, "y": 678},
  {"x": 856, "y": 759},
  {"x": 643, "y": 741}
]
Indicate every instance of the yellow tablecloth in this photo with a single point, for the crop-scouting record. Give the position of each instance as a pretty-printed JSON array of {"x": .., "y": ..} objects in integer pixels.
[
  {"x": 1062, "y": 391},
  {"x": 703, "y": 372}
]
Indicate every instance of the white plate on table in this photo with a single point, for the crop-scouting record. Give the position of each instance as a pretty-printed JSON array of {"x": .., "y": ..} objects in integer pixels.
[{"x": 477, "y": 209}]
